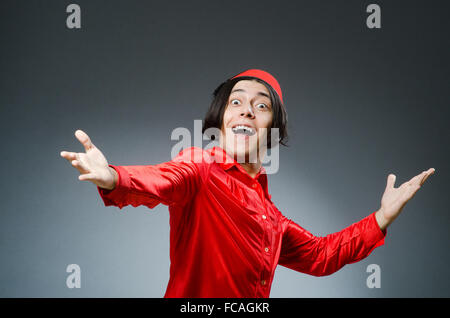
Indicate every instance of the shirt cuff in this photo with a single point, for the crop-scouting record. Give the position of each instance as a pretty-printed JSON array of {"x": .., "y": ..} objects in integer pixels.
[
  {"x": 377, "y": 233},
  {"x": 116, "y": 196}
]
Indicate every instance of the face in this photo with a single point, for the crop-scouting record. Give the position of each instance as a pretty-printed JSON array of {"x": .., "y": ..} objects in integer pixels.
[{"x": 247, "y": 118}]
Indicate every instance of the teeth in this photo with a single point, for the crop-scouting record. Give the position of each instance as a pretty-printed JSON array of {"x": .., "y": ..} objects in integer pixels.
[{"x": 243, "y": 130}]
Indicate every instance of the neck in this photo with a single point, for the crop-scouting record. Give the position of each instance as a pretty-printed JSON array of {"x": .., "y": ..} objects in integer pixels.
[{"x": 251, "y": 168}]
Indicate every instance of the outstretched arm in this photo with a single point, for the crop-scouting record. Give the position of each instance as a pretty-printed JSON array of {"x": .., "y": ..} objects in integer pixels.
[
  {"x": 319, "y": 256},
  {"x": 168, "y": 183},
  {"x": 307, "y": 253},
  {"x": 394, "y": 199}
]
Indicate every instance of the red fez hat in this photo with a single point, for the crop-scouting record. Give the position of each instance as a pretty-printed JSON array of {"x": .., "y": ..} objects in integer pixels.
[{"x": 266, "y": 77}]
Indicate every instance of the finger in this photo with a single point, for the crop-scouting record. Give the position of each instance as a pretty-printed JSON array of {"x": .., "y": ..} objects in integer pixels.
[
  {"x": 68, "y": 155},
  {"x": 86, "y": 177},
  {"x": 78, "y": 164},
  {"x": 75, "y": 163},
  {"x": 84, "y": 139},
  {"x": 428, "y": 173},
  {"x": 419, "y": 177},
  {"x": 416, "y": 180},
  {"x": 390, "y": 181}
]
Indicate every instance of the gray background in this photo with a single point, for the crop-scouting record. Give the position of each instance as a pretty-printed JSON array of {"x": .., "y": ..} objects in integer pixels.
[{"x": 362, "y": 103}]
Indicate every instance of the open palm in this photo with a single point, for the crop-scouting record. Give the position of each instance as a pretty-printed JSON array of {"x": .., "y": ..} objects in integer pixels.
[{"x": 394, "y": 199}]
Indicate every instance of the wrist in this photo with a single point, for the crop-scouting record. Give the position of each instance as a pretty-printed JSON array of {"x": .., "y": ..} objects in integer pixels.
[
  {"x": 381, "y": 220},
  {"x": 110, "y": 182},
  {"x": 115, "y": 178}
]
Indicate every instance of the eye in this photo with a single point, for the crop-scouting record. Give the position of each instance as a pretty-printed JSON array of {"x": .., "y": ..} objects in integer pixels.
[
  {"x": 235, "y": 100},
  {"x": 262, "y": 106}
]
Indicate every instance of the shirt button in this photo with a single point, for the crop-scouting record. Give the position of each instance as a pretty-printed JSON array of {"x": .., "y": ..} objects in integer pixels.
[
  {"x": 263, "y": 282},
  {"x": 254, "y": 185},
  {"x": 266, "y": 249},
  {"x": 264, "y": 217}
]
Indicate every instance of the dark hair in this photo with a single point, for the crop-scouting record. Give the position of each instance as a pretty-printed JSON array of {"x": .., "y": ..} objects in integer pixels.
[{"x": 214, "y": 116}]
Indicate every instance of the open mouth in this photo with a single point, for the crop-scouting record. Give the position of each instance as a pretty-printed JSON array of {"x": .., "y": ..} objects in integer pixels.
[{"x": 244, "y": 130}]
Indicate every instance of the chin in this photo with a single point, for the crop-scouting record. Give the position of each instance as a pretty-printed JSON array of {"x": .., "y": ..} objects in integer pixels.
[
  {"x": 243, "y": 150},
  {"x": 243, "y": 154}
]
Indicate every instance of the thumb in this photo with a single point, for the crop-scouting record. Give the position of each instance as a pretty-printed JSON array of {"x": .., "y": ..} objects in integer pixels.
[
  {"x": 84, "y": 139},
  {"x": 390, "y": 181}
]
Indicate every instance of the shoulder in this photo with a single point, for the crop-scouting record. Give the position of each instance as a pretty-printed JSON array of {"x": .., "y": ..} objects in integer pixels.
[
  {"x": 197, "y": 159},
  {"x": 194, "y": 155}
]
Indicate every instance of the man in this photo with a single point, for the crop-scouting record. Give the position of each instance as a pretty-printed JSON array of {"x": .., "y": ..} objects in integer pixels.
[{"x": 226, "y": 235}]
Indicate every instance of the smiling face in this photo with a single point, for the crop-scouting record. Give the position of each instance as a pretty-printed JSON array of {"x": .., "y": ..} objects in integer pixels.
[{"x": 247, "y": 118}]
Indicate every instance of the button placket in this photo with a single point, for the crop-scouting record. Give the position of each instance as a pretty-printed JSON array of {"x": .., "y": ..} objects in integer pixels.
[{"x": 265, "y": 251}]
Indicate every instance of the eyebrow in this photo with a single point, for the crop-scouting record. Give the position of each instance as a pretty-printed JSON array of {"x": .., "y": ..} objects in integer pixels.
[{"x": 242, "y": 90}]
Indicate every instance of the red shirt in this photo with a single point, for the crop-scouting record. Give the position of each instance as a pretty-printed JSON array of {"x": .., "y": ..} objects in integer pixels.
[{"x": 226, "y": 235}]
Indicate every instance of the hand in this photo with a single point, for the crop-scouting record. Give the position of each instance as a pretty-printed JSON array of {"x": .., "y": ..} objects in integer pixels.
[
  {"x": 394, "y": 199},
  {"x": 92, "y": 165}
]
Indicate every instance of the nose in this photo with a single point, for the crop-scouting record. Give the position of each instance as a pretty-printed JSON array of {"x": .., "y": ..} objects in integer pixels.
[{"x": 247, "y": 111}]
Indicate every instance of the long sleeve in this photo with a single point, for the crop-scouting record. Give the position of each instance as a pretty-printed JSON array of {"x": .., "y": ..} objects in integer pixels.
[
  {"x": 320, "y": 256},
  {"x": 172, "y": 182}
]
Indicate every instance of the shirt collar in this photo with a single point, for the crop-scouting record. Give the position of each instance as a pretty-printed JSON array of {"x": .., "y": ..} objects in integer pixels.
[{"x": 227, "y": 162}]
